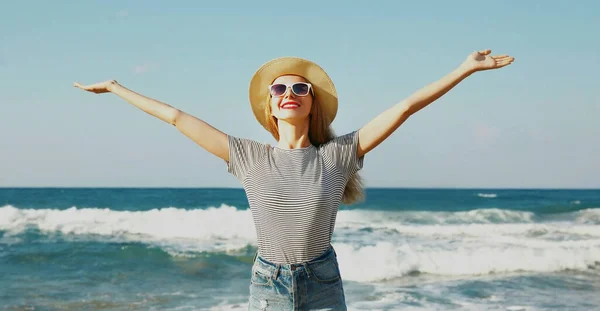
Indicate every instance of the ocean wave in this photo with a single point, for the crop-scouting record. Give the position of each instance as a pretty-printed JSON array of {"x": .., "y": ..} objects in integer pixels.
[
  {"x": 212, "y": 229},
  {"x": 478, "y": 216},
  {"x": 588, "y": 216},
  {"x": 226, "y": 227},
  {"x": 487, "y": 195},
  {"x": 404, "y": 249},
  {"x": 474, "y": 223},
  {"x": 387, "y": 261},
  {"x": 541, "y": 231}
]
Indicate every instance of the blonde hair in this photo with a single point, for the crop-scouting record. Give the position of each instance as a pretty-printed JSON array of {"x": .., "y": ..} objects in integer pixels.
[{"x": 319, "y": 132}]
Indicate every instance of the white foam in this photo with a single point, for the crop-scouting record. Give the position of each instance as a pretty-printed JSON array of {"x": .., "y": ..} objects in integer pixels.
[
  {"x": 474, "y": 223},
  {"x": 487, "y": 195},
  {"x": 388, "y": 260},
  {"x": 221, "y": 228},
  {"x": 588, "y": 216},
  {"x": 482, "y": 216}
]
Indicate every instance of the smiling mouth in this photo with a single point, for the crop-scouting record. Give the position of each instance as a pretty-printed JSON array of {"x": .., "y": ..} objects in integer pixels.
[{"x": 290, "y": 105}]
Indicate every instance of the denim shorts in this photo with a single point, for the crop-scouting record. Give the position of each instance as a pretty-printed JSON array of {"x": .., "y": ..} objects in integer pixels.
[{"x": 313, "y": 285}]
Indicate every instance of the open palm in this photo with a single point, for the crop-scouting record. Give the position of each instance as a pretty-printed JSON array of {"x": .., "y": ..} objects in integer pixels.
[
  {"x": 98, "y": 88},
  {"x": 482, "y": 60}
]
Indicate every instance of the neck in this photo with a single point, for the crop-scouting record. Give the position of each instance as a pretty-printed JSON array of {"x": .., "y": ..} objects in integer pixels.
[{"x": 293, "y": 136}]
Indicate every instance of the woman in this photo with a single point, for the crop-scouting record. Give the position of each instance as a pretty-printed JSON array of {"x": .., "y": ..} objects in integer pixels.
[{"x": 294, "y": 189}]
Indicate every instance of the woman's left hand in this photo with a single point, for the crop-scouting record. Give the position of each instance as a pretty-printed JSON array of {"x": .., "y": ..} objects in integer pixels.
[{"x": 482, "y": 60}]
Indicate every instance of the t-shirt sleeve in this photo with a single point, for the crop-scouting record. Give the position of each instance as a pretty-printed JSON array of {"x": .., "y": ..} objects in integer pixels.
[
  {"x": 243, "y": 155},
  {"x": 342, "y": 152}
]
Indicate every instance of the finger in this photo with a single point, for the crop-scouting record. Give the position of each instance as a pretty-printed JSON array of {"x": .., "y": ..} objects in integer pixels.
[
  {"x": 505, "y": 59},
  {"x": 500, "y": 56},
  {"x": 502, "y": 64},
  {"x": 80, "y": 86},
  {"x": 484, "y": 52}
]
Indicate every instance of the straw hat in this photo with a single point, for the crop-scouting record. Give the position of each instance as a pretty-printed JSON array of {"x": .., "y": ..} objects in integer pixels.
[{"x": 322, "y": 85}]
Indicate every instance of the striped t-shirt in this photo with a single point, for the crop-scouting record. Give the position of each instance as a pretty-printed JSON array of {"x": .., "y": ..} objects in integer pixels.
[{"x": 294, "y": 194}]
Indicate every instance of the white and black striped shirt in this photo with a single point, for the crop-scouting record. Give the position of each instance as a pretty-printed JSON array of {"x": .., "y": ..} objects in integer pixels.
[{"x": 294, "y": 194}]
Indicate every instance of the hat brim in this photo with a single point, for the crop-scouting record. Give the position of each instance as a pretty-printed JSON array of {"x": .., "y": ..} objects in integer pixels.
[{"x": 322, "y": 85}]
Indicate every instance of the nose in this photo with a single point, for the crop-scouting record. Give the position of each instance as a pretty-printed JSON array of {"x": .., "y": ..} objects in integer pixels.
[{"x": 289, "y": 93}]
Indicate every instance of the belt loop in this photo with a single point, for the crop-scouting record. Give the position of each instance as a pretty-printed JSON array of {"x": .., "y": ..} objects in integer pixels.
[
  {"x": 276, "y": 272},
  {"x": 306, "y": 269}
]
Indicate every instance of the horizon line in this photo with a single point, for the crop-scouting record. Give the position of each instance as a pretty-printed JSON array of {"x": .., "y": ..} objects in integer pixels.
[{"x": 366, "y": 188}]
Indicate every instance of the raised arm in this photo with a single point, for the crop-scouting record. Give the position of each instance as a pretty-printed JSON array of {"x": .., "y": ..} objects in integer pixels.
[
  {"x": 211, "y": 139},
  {"x": 382, "y": 126}
]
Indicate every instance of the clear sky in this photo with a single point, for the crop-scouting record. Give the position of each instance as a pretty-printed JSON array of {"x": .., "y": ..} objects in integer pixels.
[{"x": 534, "y": 123}]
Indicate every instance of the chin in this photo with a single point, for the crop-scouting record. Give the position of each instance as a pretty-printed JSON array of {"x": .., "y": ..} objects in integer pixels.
[{"x": 293, "y": 118}]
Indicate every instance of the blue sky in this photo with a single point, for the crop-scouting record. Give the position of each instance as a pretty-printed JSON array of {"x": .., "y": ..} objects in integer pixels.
[{"x": 532, "y": 124}]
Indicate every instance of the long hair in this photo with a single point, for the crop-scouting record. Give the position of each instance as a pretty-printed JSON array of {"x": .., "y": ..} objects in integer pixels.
[{"x": 319, "y": 133}]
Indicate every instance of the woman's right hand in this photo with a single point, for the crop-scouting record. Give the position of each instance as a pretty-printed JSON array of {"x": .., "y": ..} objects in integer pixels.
[
  {"x": 204, "y": 134},
  {"x": 98, "y": 88}
]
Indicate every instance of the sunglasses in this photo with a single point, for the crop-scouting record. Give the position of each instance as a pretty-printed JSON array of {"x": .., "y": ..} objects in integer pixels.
[{"x": 298, "y": 88}]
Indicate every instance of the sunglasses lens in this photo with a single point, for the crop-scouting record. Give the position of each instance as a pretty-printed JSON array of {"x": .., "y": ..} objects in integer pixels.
[
  {"x": 278, "y": 89},
  {"x": 300, "y": 89}
]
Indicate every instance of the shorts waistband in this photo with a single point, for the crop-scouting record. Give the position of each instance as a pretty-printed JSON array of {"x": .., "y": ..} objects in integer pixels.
[{"x": 289, "y": 268}]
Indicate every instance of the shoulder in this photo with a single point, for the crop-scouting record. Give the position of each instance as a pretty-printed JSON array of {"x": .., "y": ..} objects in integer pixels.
[
  {"x": 345, "y": 139},
  {"x": 246, "y": 142},
  {"x": 247, "y": 149}
]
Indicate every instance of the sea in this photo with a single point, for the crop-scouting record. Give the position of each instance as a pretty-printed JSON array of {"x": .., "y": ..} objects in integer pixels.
[{"x": 399, "y": 249}]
